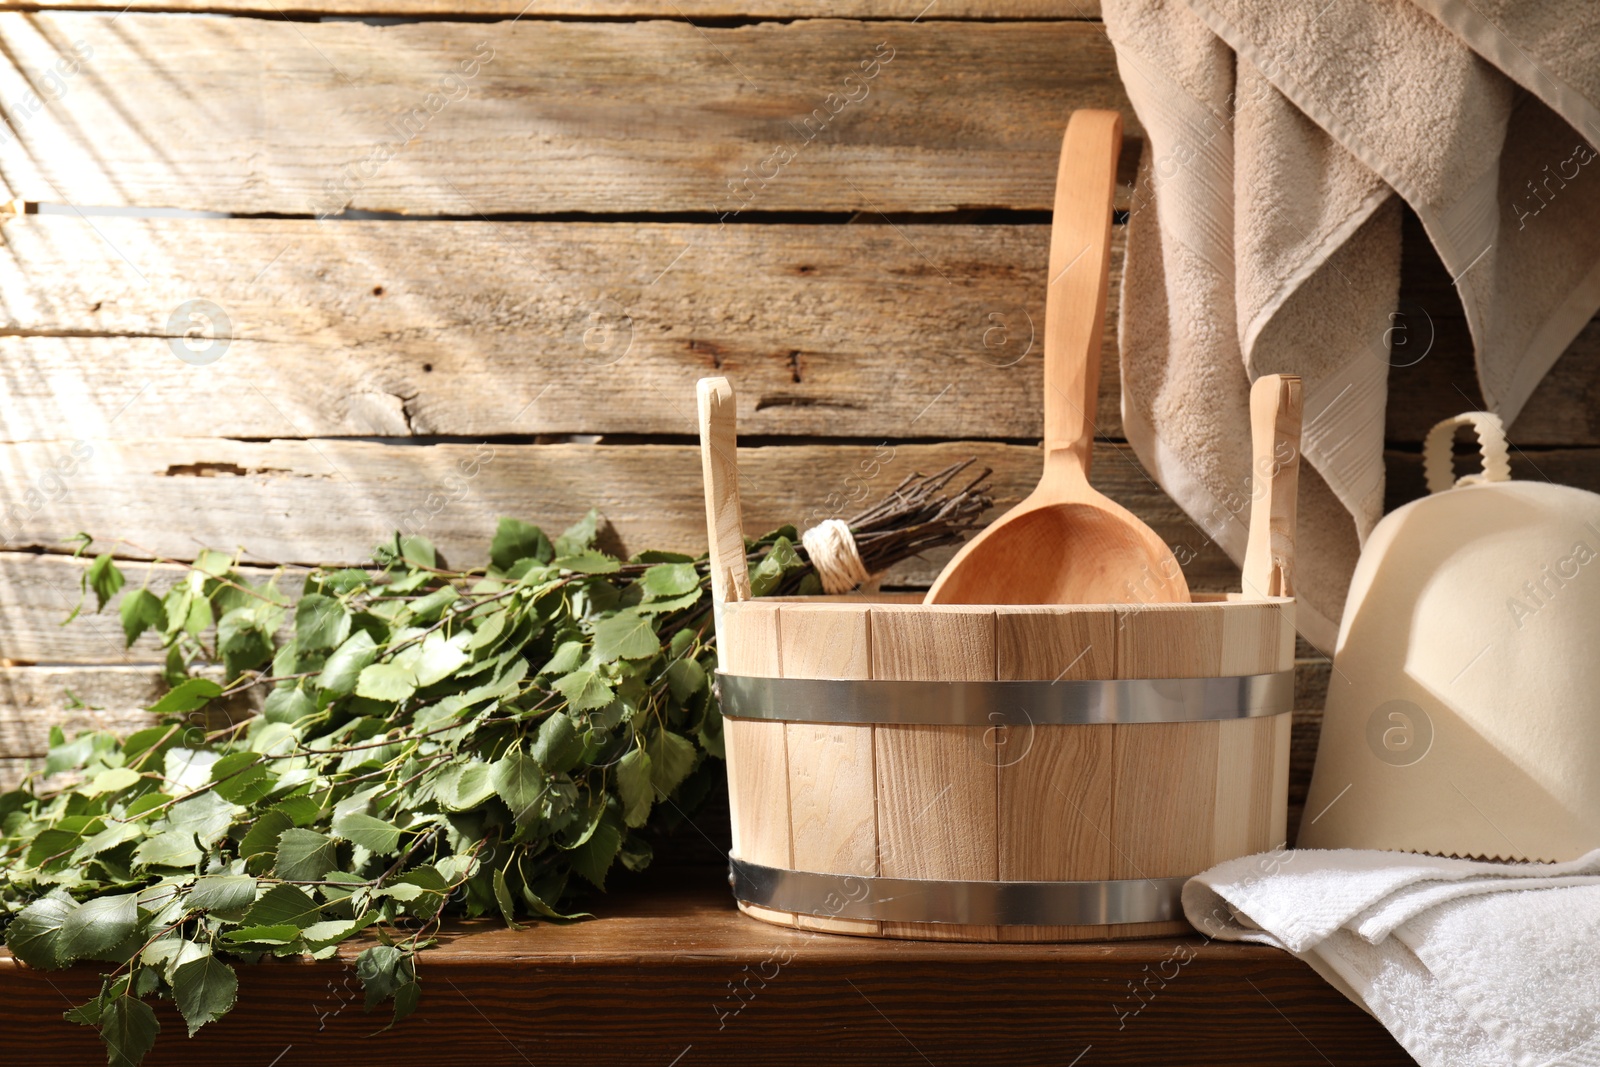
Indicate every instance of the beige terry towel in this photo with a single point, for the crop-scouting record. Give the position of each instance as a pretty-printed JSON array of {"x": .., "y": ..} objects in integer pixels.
[{"x": 1264, "y": 235}]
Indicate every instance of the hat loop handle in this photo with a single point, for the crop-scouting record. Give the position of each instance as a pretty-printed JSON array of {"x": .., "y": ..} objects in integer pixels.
[{"x": 1438, "y": 460}]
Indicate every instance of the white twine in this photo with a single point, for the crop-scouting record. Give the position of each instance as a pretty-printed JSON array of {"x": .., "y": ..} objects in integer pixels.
[{"x": 833, "y": 552}]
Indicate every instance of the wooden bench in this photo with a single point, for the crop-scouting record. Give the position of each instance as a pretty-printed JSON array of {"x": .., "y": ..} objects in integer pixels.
[{"x": 673, "y": 975}]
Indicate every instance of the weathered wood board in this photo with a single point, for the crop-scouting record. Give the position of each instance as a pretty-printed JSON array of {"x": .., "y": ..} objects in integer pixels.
[
  {"x": 469, "y": 327},
  {"x": 471, "y": 119},
  {"x": 474, "y": 328},
  {"x": 680, "y": 9},
  {"x": 39, "y": 591},
  {"x": 331, "y": 501}
]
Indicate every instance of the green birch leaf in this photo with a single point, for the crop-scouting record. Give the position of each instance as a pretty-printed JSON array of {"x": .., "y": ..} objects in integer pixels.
[
  {"x": 199, "y": 617},
  {"x": 34, "y": 936},
  {"x": 390, "y": 682},
  {"x": 171, "y": 848},
  {"x": 240, "y": 777},
  {"x": 779, "y": 560},
  {"x": 515, "y": 540},
  {"x": 204, "y": 990},
  {"x": 222, "y": 892},
  {"x": 305, "y": 855},
  {"x": 584, "y": 690},
  {"x": 671, "y": 759},
  {"x": 383, "y": 969},
  {"x": 116, "y": 834},
  {"x": 128, "y": 1027},
  {"x": 666, "y": 607},
  {"x": 558, "y": 746},
  {"x": 140, "y": 610},
  {"x": 206, "y": 814},
  {"x": 593, "y": 858},
  {"x": 240, "y": 639},
  {"x": 635, "y": 787},
  {"x": 685, "y": 678},
  {"x": 418, "y": 551},
  {"x": 590, "y": 562},
  {"x": 371, "y": 833},
  {"x": 431, "y": 890},
  {"x": 430, "y": 607},
  {"x": 98, "y": 926},
  {"x": 520, "y": 782},
  {"x": 288, "y": 705},
  {"x": 110, "y": 781},
  {"x": 190, "y": 696},
  {"x": 320, "y": 622},
  {"x": 302, "y": 811},
  {"x": 262, "y": 838},
  {"x": 579, "y": 536},
  {"x": 568, "y": 657},
  {"x": 468, "y": 786},
  {"x": 625, "y": 635},
  {"x": 283, "y": 905},
  {"x": 339, "y": 674},
  {"x": 333, "y": 931},
  {"x": 670, "y": 580},
  {"x": 282, "y": 934},
  {"x": 213, "y": 563},
  {"x": 441, "y": 657},
  {"x": 488, "y": 630},
  {"x": 104, "y": 578},
  {"x": 502, "y": 899},
  {"x": 656, "y": 555}
]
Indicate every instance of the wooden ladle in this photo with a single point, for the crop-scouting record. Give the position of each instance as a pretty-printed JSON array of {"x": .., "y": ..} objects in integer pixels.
[{"x": 1066, "y": 543}]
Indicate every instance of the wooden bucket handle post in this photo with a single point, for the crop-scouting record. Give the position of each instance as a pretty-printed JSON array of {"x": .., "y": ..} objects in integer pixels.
[
  {"x": 1275, "y": 409},
  {"x": 719, "y": 465}
]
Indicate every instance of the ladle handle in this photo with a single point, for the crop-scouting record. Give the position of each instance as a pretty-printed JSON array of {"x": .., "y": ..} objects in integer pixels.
[
  {"x": 1275, "y": 408},
  {"x": 1075, "y": 302}
]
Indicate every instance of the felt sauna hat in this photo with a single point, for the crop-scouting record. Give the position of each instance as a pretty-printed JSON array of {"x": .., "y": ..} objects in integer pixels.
[{"x": 1463, "y": 712}]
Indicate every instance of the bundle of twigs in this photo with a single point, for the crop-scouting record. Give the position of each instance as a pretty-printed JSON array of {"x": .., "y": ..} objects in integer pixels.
[{"x": 919, "y": 514}]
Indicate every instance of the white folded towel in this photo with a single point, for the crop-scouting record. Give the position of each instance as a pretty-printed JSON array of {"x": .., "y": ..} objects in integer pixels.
[{"x": 1468, "y": 964}]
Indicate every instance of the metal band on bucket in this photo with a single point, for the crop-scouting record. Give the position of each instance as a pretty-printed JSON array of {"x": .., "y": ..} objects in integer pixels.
[
  {"x": 1066, "y": 703},
  {"x": 927, "y": 900}
]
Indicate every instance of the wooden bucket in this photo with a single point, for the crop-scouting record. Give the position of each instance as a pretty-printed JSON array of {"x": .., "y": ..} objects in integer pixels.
[{"x": 991, "y": 773}]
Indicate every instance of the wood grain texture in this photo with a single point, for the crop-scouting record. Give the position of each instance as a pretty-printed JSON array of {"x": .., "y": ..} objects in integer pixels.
[
  {"x": 472, "y": 119},
  {"x": 1275, "y": 417},
  {"x": 1066, "y": 543},
  {"x": 1054, "y": 782},
  {"x": 1164, "y": 803},
  {"x": 76, "y": 699},
  {"x": 330, "y": 501},
  {"x": 679, "y": 9},
  {"x": 357, "y": 329},
  {"x": 936, "y": 784},
  {"x": 1252, "y": 774},
  {"x": 650, "y": 979},
  {"x": 610, "y": 8},
  {"x": 33, "y": 699},
  {"x": 38, "y": 592},
  {"x": 758, "y": 766},
  {"x": 832, "y": 777},
  {"x": 719, "y": 469},
  {"x": 470, "y": 328}
]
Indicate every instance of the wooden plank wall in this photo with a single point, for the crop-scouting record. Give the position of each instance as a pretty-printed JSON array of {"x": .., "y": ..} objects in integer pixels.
[{"x": 285, "y": 277}]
